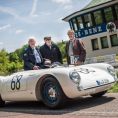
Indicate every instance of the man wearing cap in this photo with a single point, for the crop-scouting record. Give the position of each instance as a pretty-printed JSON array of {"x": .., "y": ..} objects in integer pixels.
[
  {"x": 32, "y": 57},
  {"x": 75, "y": 50},
  {"x": 50, "y": 51}
]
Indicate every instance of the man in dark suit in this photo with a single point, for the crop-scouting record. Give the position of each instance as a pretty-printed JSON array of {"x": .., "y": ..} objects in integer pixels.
[
  {"x": 75, "y": 50},
  {"x": 32, "y": 57},
  {"x": 50, "y": 51}
]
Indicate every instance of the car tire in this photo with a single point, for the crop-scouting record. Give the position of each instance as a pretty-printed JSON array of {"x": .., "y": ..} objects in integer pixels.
[
  {"x": 52, "y": 93},
  {"x": 2, "y": 103},
  {"x": 99, "y": 94}
]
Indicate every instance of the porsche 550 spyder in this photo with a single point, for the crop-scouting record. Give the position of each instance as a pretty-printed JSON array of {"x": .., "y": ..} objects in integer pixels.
[{"x": 54, "y": 85}]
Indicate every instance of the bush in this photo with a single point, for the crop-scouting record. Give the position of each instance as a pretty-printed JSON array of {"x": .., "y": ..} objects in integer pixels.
[
  {"x": 10, "y": 62},
  {"x": 61, "y": 46},
  {"x": 114, "y": 89}
]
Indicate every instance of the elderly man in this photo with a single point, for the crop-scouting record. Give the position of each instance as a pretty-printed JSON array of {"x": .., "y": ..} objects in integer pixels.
[
  {"x": 50, "y": 51},
  {"x": 75, "y": 50},
  {"x": 32, "y": 57}
]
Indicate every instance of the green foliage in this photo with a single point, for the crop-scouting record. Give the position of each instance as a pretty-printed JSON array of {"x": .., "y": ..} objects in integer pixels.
[
  {"x": 4, "y": 61},
  {"x": 114, "y": 89},
  {"x": 117, "y": 57},
  {"x": 11, "y": 62},
  {"x": 61, "y": 46},
  {"x": 13, "y": 57}
]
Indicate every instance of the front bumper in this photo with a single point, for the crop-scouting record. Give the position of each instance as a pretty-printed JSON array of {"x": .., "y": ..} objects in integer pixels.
[
  {"x": 75, "y": 93},
  {"x": 94, "y": 90}
]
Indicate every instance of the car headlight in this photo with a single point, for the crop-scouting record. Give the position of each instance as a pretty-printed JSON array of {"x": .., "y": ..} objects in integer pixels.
[
  {"x": 112, "y": 71},
  {"x": 75, "y": 77}
]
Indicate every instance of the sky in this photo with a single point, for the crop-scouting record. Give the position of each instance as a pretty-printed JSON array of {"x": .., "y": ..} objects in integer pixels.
[{"x": 21, "y": 19}]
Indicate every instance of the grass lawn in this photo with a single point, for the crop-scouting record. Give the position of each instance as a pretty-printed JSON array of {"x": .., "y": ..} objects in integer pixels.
[
  {"x": 117, "y": 57},
  {"x": 114, "y": 89}
]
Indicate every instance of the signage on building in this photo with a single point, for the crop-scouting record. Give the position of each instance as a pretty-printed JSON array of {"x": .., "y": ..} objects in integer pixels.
[
  {"x": 111, "y": 27},
  {"x": 90, "y": 31}
]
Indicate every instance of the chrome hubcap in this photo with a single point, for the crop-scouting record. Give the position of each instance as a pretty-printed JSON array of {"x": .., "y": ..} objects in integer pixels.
[{"x": 52, "y": 92}]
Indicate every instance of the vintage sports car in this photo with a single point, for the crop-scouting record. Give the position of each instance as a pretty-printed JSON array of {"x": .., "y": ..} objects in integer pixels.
[{"x": 56, "y": 84}]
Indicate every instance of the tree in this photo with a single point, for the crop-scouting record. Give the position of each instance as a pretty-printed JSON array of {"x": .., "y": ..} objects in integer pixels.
[
  {"x": 4, "y": 61},
  {"x": 13, "y": 57},
  {"x": 11, "y": 62},
  {"x": 61, "y": 46}
]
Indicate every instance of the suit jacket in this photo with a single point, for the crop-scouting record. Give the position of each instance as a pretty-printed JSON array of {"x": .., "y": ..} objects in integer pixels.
[
  {"x": 53, "y": 54},
  {"x": 78, "y": 49},
  {"x": 29, "y": 58}
]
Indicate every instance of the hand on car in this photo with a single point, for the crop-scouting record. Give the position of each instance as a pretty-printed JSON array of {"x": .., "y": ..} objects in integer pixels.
[
  {"x": 78, "y": 63},
  {"x": 36, "y": 68},
  {"x": 47, "y": 62}
]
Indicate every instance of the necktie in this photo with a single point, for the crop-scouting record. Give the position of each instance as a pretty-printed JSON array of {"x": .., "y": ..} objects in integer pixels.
[{"x": 37, "y": 56}]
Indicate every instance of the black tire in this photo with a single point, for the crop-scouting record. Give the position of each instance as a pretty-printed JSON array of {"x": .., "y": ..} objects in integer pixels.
[
  {"x": 99, "y": 94},
  {"x": 51, "y": 93},
  {"x": 2, "y": 103}
]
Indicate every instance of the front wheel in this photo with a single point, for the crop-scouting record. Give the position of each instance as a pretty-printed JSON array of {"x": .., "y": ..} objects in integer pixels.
[
  {"x": 99, "y": 94},
  {"x": 51, "y": 93}
]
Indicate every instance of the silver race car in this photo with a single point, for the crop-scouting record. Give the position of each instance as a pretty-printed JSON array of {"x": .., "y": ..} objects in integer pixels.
[{"x": 54, "y": 85}]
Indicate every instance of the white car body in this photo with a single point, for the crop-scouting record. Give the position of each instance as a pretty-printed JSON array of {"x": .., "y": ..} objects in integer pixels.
[{"x": 25, "y": 86}]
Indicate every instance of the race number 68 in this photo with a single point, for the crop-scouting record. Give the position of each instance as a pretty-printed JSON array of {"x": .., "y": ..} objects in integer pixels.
[{"x": 15, "y": 83}]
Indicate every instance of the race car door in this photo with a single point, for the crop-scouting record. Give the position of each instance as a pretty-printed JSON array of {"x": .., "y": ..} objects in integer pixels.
[{"x": 14, "y": 87}]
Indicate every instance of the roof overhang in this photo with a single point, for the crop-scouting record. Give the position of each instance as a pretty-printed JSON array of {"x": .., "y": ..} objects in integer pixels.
[{"x": 83, "y": 11}]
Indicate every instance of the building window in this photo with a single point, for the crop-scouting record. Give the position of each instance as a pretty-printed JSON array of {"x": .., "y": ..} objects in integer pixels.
[
  {"x": 74, "y": 24},
  {"x": 88, "y": 20},
  {"x": 80, "y": 23},
  {"x": 98, "y": 17},
  {"x": 104, "y": 42},
  {"x": 114, "y": 40},
  {"x": 116, "y": 8},
  {"x": 108, "y": 14},
  {"x": 95, "y": 45},
  {"x": 71, "y": 26}
]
